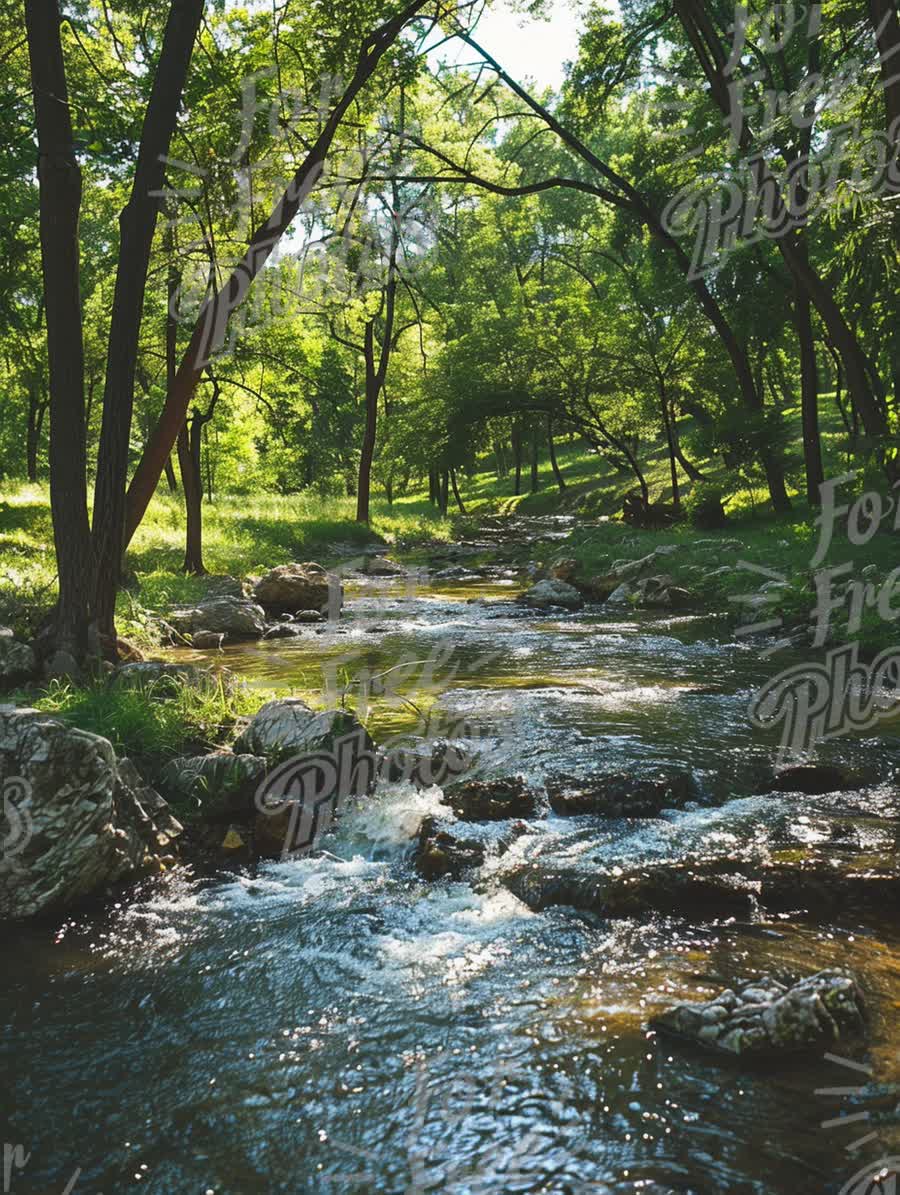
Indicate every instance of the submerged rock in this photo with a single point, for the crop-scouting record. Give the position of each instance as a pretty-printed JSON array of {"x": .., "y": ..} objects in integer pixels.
[
  {"x": 492, "y": 800},
  {"x": 550, "y": 593},
  {"x": 284, "y": 630},
  {"x": 620, "y": 795},
  {"x": 75, "y": 819},
  {"x": 765, "y": 1016},
  {"x": 287, "y": 726},
  {"x": 293, "y": 587}
]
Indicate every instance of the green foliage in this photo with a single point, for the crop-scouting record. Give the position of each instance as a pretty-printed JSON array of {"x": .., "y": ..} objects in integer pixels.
[{"x": 156, "y": 721}]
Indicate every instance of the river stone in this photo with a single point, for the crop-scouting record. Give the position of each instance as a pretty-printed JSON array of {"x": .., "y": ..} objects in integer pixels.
[
  {"x": 553, "y": 593},
  {"x": 439, "y": 852},
  {"x": 287, "y": 726},
  {"x": 284, "y": 630},
  {"x": 492, "y": 800},
  {"x": 75, "y": 820},
  {"x": 220, "y": 785},
  {"x": 815, "y": 779},
  {"x": 621, "y": 595},
  {"x": 207, "y": 640},
  {"x": 618, "y": 794},
  {"x": 17, "y": 660},
  {"x": 380, "y": 566},
  {"x": 238, "y": 618},
  {"x": 768, "y": 1017},
  {"x": 292, "y": 587}
]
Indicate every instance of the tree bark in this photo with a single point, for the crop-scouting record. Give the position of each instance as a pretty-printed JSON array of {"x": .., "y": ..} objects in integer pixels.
[
  {"x": 137, "y": 224},
  {"x": 36, "y": 410},
  {"x": 59, "y": 179},
  {"x": 209, "y": 331},
  {"x": 517, "y": 456}
]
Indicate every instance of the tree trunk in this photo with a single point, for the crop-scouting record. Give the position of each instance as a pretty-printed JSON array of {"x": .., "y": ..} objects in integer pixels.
[
  {"x": 809, "y": 399},
  {"x": 59, "y": 179},
  {"x": 535, "y": 478},
  {"x": 459, "y": 501},
  {"x": 209, "y": 331},
  {"x": 885, "y": 22},
  {"x": 444, "y": 492},
  {"x": 560, "y": 480},
  {"x": 189, "y": 440},
  {"x": 670, "y": 442},
  {"x": 171, "y": 481},
  {"x": 517, "y": 456},
  {"x": 137, "y": 224},
  {"x": 367, "y": 453},
  {"x": 36, "y": 409}
]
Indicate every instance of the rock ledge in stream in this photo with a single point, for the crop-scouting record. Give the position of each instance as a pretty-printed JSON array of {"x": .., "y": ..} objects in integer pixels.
[
  {"x": 75, "y": 819},
  {"x": 620, "y": 795},
  {"x": 492, "y": 800},
  {"x": 813, "y": 885},
  {"x": 767, "y": 1017}
]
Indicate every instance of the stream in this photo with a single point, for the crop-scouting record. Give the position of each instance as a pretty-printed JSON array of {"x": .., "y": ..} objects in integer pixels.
[{"x": 336, "y": 1024}]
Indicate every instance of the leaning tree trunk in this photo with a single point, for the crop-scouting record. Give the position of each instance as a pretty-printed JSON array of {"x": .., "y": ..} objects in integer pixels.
[{"x": 59, "y": 180}]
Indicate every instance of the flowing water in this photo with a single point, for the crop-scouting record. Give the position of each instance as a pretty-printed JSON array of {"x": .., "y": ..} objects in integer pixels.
[{"x": 336, "y": 1024}]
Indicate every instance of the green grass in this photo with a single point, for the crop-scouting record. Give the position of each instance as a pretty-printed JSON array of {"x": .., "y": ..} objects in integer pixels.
[
  {"x": 243, "y": 535},
  {"x": 149, "y": 724}
]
